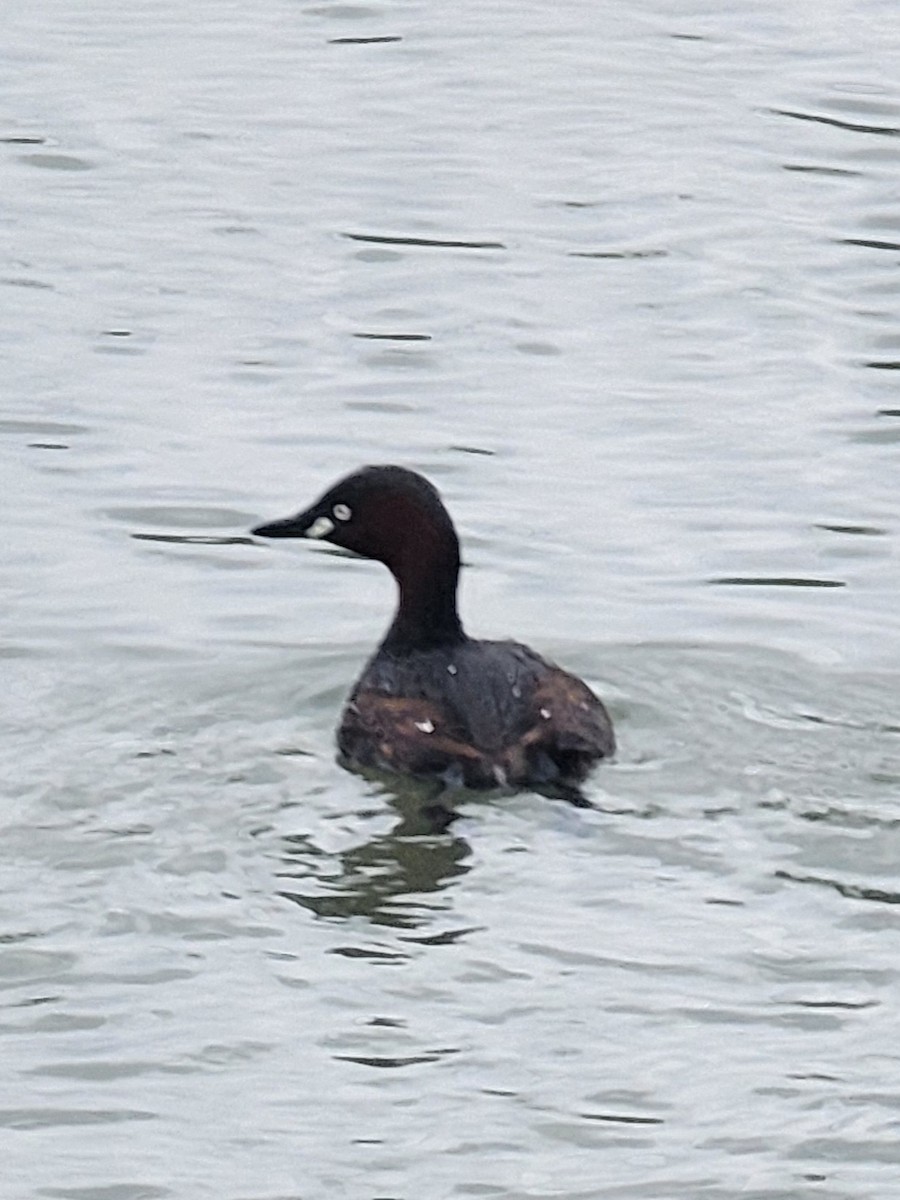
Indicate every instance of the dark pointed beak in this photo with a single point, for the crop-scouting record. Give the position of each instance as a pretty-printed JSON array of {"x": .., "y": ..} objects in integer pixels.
[
  {"x": 287, "y": 527},
  {"x": 310, "y": 524}
]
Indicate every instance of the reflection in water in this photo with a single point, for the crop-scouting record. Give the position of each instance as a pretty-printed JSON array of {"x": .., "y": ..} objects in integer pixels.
[
  {"x": 433, "y": 243},
  {"x": 776, "y": 581},
  {"x": 387, "y": 877},
  {"x": 837, "y": 123},
  {"x": 363, "y": 41},
  {"x": 860, "y": 530},
  {"x": 194, "y": 539},
  {"x": 853, "y": 891}
]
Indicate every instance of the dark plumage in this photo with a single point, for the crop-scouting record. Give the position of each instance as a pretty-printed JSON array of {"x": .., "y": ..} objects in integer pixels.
[{"x": 433, "y": 701}]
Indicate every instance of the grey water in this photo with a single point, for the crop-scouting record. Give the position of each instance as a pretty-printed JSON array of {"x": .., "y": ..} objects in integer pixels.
[{"x": 624, "y": 281}]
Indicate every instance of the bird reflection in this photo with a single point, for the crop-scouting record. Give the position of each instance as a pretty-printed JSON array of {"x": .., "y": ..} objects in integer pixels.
[{"x": 392, "y": 879}]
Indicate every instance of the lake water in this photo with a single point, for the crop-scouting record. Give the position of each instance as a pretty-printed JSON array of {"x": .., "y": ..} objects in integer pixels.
[{"x": 623, "y": 281}]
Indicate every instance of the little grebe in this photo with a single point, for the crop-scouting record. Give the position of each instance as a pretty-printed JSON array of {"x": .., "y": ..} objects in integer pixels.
[{"x": 433, "y": 701}]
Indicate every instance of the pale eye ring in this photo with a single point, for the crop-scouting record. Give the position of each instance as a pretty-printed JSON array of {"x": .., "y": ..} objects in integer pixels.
[{"x": 342, "y": 512}]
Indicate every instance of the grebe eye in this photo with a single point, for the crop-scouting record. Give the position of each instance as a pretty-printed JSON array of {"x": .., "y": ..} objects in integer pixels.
[{"x": 342, "y": 512}]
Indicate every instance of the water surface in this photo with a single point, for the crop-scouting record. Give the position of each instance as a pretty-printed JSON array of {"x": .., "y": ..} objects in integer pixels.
[{"x": 624, "y": 284}]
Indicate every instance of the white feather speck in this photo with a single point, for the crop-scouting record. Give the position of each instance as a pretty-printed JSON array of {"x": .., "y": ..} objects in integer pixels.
[
  {"x": 425, "y": 726},
  {"x": 545, "y": 713},
  {"x": 451, "y": 669}
]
